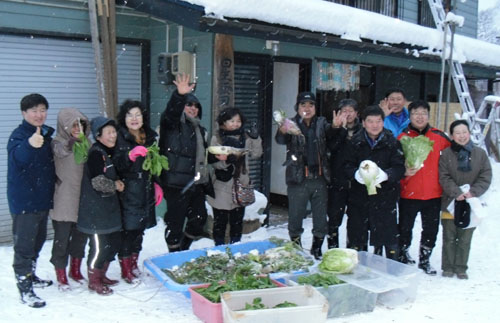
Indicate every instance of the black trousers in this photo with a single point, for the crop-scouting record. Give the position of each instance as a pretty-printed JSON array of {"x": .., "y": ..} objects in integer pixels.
[
  {"x": 235, "y": 219},
  {"x": 103, "y": 248},
  {"x": 68, "y": 241},
  {"x": 429, "y": 213},
  {"x": 131, "y": 242},
  {"x": 189, "y": 208},
  {"x": 29, "y": 231},
  {"x": 337, "y": 204}
]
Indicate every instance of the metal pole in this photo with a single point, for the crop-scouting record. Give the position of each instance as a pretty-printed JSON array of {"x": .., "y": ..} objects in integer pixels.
[
  {"x": 94, "y": 30},
  {"x": 441, "y": 83},
  {"x": 449, "y": 77}
]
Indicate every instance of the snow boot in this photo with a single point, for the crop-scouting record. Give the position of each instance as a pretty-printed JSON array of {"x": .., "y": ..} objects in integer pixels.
[
  {"x": 404, "y": 256},
  {"x": 296, "y": 240},
  {"x": 28, "y": 296},
  {"x": 378, "y": 250},
  {"x": 218, "y": 241},
  {"x": 316, "y": 248},
  {"x": 37, "y": 281},
  {"x": 235, "y": 239},
  {"x": 333, "y": 240},
  {"x": 186, "y": 243},
  {"x": 126, "y": 267},
  {"x": 105, "y": 280},
  {"x": 392, "y": 252},
  {"x": 96, "y": 284},
  {"x": 135, "y": 269},
  {"x": 424, "y": 263},
  {"x": 62, "y": 280},
  {"x": 74, "y": 270}
]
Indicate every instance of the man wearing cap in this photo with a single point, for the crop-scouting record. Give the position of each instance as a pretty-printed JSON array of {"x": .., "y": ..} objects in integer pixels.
[
  {"x": 30, "y": 191},
  {"x": 307, "y": 170}
]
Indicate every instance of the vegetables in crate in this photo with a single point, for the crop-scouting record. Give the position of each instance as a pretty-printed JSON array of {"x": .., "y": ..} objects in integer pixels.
[
  {"x": 238, "y": 282},
  {"x": 339, "y": 261},
  {"x": 416, "y": 150},
  {"x": 258, "y": 305},
  {"x": 319, "y": 280}
]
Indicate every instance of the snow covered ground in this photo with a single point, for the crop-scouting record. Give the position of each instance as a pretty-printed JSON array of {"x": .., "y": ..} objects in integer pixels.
[{"x": 438, "y": 300}]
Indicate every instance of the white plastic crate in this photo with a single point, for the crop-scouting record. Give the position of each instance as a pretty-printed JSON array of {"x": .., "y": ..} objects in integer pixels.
[{"x": 311, "y": 305}]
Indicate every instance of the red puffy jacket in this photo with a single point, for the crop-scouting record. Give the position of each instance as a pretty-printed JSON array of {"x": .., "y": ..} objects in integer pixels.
[{"x": 424, "y": 185}]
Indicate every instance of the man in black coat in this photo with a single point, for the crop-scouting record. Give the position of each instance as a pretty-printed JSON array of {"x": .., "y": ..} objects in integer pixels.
[
  {"x": 345, "y": 125},
  {"x": 183, "y": 141},
  {"x": 375, "y": 213}
]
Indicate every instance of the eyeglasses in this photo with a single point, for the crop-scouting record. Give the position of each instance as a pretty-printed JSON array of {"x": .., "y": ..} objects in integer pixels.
[
  {"x": 192, "y": 104},
  {"x": 133, "y": 116}
]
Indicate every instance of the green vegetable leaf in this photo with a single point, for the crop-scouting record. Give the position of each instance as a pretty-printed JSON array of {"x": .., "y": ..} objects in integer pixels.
[
  {"x": 416, "y": 150},
  {"x": 81, "y": 148}
]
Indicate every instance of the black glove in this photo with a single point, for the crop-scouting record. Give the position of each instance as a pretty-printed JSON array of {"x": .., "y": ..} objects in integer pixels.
[
  {"x": 253, "y": 130},
  {"x": 231, "y": 159}
]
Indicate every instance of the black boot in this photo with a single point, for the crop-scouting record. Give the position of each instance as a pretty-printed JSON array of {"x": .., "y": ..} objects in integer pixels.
[
  {"x": 296, "y": 240},
  {"x": 392, "y": 252},
  {"x": 333, "y": 240},
  {"x": 378, "y": 250},
  {"x": 316, "y": 248},
  {"x": 37, "y": 281},
  {"x": 28, "y": 296},
  {"x": 424, "y": 263},
  {"x": 186, "y": 243},
  {"x": 218, "y": 241},
  {"x": 404, "y": 256}
]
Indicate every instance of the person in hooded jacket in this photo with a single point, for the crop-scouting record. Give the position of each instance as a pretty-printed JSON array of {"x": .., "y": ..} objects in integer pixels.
[
  {"x": 30, "y": 192},
  {"x": 99, "y": 213},
  {"x": 345, "y": 125},
  {"x": 68, "y": 241},
  {"x": 138, "y": 200},
  {"x": 183, "y": 141},
  {"x": 374, "y": 213},
  {"x": 228, "y": 168}
]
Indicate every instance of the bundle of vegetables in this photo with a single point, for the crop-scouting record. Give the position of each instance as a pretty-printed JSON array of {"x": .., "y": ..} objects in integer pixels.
[
  {"x": 217, "y": 265},
  {"x": 81, "y": 149},
  {"x": 319, "y": 280},
  {"x": 416, "y": 150},
  {"x": 290, "y": 126},
  {"x": 258, "y": 305},
  {"x": 339, "y": 261},
  {"x": 154, "y": 162},
  {"x": 238, "y": 282}
]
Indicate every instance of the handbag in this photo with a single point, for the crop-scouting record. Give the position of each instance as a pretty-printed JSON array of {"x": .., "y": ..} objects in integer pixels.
[
  {"x": 243, "y": 195},
  {"x": 462, "y": 214}
]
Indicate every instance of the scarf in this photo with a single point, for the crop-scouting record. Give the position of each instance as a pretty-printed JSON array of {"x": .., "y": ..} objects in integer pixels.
[
  {"x": 311, "y": 159},
  {"x": 463, "y": 155},
  {"x": 200, "y": 163}
]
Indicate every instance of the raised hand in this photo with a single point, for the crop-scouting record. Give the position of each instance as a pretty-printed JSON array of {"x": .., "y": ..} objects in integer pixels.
[
  {"x": 384, "y": 105},
  {"x": 182, "y": 83},
  {"x": 36, "y": 139},
  {"x": 339, "y": 119}
]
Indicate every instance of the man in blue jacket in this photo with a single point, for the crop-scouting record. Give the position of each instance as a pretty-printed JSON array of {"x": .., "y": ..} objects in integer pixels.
[
  {"x": 30, "y": 191},
  {"x": 397, "y": 117}
]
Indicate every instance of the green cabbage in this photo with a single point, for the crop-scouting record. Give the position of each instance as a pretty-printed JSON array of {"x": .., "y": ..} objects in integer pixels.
[
  {"x": 339, "y": 261},
  {"x": 416, "y": 150}
]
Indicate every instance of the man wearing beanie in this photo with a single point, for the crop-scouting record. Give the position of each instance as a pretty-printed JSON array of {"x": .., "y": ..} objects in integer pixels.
[{"x": 307, "y": 170}]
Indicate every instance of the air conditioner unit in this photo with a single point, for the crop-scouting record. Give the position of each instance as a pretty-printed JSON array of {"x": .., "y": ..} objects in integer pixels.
[{"x": 172, "y": 64}]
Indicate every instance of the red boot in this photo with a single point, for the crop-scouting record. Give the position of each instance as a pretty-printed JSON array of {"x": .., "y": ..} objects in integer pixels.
[
  {"x": 135, "y": 270},
  {"x": 105, "y": 280},
  {"x": 62, "y": 280},
  {"x": 74, "y": 270},
  {"x": 96, "y": 283},
  {"x": 126, "y": 266}
]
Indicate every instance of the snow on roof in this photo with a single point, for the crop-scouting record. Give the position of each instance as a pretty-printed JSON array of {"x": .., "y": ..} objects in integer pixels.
[{"x": 352, "y": 24}]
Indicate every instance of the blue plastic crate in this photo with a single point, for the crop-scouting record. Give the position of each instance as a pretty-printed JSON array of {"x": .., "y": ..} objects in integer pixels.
[{"x": 169, "y": 260}]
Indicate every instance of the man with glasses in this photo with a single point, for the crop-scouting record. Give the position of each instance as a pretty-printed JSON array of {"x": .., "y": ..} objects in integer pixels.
[{"x": 420, "y": 189}]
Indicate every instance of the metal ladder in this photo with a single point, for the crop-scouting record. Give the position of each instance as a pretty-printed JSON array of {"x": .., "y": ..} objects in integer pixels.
[{"x": 458, "y": 76}]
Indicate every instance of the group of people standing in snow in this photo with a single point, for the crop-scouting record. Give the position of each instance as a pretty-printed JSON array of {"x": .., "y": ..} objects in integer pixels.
[
  {"x": 109, "y": 199},
  {"x": 324, "y": 155}
]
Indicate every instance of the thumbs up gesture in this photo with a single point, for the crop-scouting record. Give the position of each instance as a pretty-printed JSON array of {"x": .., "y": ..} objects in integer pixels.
[{"x": 36, "y": 140}]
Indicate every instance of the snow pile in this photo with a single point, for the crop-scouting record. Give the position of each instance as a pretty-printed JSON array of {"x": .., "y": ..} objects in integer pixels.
[{"x": 350, "y": 23}]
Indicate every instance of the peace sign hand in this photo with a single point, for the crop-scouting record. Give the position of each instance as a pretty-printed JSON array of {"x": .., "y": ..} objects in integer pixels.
[
  {"x": 339, "y": 119},
  {"x": 182, "y": 83}
]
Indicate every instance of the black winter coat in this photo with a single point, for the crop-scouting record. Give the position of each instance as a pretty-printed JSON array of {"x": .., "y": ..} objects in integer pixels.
[
  {"x": 339, "y": 179},
  {"x": 99, "y": 212},
  {"x": 378, "y": 209},
  {"x": 138, "y": 198},
  {"x": 296, "y": 150},
  {"x": 178, "y": 143}
]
